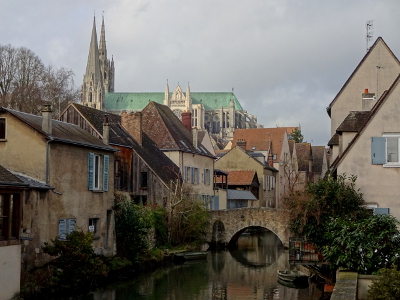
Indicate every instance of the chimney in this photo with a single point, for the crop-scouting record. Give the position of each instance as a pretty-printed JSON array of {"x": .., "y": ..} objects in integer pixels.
[
  {"x": 194, "y": 132},
  {"x": 368, "y": 100},
  {"x": 46, "y": 119},
  {"x": 271, "y": 160},
  {"x": 106, "y": 130},
  {"x": 241, "y": 144},
  {"x": 187, "y": 120},
  {"x": 132, "y": 122}
]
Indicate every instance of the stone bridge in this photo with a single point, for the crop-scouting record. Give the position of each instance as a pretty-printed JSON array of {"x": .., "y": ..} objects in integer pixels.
[{"x": 227, "y": 225}]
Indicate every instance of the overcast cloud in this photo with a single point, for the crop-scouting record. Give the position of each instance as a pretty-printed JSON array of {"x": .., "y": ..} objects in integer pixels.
[{"x": 286, "y": 60}]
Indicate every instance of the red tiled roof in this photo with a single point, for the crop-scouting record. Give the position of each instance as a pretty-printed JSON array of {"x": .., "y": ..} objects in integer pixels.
[
  {"x": 258, "y": 139},
  {"x": 238, "y": 177}
]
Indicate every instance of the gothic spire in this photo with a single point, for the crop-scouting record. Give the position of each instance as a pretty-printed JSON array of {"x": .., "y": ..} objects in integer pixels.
[
  {"x": 93, "y": 65},
  {"x": 102, "y": 46}
]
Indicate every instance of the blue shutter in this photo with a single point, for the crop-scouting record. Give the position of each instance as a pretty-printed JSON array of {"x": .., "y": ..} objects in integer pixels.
[
  {"x": 192, "y": 175},
  {"x": 105, "y": 173},
  {"x": 62, "y": 228},
  {"x": 71, "y": 225},
  {"x": 204, "y": 176},
  {"x": 197, "y": 176},
  {"x": 216, "y": 202},
  {"x": 378, "y": 150},
  {"x": 90, "y": 171},
  {"x": 185, "y": 173},
  {"x": 381, "y": 211}
]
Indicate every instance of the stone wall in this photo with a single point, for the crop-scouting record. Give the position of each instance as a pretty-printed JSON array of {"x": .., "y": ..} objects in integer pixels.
[{"x": 227, "y": 225}]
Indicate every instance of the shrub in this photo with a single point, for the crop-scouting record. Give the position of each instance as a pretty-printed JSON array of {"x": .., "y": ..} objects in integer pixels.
[
  {"x": 76, "y": 263},
  {"x": 386, "y": 286}
]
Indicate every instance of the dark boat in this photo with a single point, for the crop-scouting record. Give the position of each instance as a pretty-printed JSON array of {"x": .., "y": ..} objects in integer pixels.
[
  {"x": 190, "y": 255},
  {"x": 292, "y": 276},
  {"x": 293, "y": 285}
]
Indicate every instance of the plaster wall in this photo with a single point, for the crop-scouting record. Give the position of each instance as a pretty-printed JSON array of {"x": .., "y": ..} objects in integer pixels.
[
  {"x": 42, "y": 209},
  {"x": 201, "y": 162},
  {"x": 24, "y": 150},
  {"x": 368, "y": 76},
  {"x": 379, "y": 184},
  {"x": 10, "y": 270}
]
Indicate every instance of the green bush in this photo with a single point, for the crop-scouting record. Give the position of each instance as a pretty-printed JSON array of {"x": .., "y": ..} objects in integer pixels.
[
  {"x": 132, "y": 224},
  {"x": 76, "y": 263},
  {"x": 386, "y": 286}
]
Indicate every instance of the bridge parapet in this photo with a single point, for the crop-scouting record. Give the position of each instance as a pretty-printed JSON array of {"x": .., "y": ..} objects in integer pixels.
[{"x": 227, "y": 225}]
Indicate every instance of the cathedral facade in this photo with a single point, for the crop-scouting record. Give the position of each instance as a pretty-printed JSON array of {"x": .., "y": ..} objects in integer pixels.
[{"x": 220, "y": 113}]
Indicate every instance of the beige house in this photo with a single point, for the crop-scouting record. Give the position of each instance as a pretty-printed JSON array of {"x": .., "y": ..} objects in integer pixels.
[
  {"x": 71, "y": 181},
  {"x": 373, "y": 153},
  {"x": 240, "y": 160},
  {"x": 376, "y": 73}
]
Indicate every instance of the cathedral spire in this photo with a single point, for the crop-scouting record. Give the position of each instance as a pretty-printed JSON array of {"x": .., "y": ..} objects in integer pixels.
[
  {"x": 166, "y": 95},
  {"x": 93, "y": 67},
  {"x": 102, "y": 46}
]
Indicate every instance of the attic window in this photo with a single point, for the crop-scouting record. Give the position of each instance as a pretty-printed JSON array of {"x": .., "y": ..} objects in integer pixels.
[{"x": 253, "y": 148}]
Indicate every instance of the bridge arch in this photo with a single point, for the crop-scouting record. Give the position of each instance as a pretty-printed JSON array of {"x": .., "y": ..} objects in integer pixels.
[{"x": 227, "y": 225}]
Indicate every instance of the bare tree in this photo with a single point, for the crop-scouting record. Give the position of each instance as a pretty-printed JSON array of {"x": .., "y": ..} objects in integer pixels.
[
  {"x": 26, "y": 84},
  {"x": 7, "y": 71}
]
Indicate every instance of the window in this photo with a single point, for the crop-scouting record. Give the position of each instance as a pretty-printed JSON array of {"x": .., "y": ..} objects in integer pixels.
[
  {"x": 65, "y": 226},
  {"x": 98, "y": 172},
  {"x": 143, "y": 180},
  {"x": 2, "y": 129},
  {"x": 385, "y": 150},
  {"x": 94, "y": 226},
  {"x": 9, "y": 216}
]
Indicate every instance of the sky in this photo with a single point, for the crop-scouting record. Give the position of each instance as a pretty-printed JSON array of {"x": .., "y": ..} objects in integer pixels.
[{"x": 284, "y": 59}]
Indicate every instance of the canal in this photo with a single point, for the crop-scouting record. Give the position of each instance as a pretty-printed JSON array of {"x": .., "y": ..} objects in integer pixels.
[{"x": 248, "y": 272}]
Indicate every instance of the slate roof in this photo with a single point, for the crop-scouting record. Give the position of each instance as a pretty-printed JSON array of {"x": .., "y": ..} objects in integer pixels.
[
  {"x": 138, "y": 101},
  {"x": 259, "y": 139},
  {"x": 61, "y": 132},
  {"x": 238, "y": 177},
  {"x": 354, "y": 121},
  {"x": 148, "y": 151},
  {"x": 240, "y": 195},
  {"x": 9, "y": 179},
  {"x": 32, "y": 182},
  {"x": 334, "y": 141},
  {"x": 379, "y": 39},
  {"x": 117, "y": 135},
  {"x": 303, "y": 152},
  {"x": 318, "y": 153},
  {"x": 168, "y": 132}
]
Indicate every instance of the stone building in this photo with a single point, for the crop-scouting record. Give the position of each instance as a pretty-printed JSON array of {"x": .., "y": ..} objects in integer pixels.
[{"x": 220, "y": 113}]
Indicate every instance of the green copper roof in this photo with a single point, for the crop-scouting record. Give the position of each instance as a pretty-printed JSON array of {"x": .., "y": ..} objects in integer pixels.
[{"x": 138, "y": 101}]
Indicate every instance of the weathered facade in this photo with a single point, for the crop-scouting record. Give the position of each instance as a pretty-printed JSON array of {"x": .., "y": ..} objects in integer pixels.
[
  {"x": 142, "y": 171},
  {"x": 71, "y": 178}
]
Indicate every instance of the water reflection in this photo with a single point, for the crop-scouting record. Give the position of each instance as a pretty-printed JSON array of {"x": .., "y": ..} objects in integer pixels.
[{"x": 249, "y": 272}]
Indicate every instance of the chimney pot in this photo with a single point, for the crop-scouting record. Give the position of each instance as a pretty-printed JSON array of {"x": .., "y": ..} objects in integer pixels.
[
  {"x": 365, "y": 91},
  {"x": 46, "y": 119},
  {"x": 106, "y": 130}
]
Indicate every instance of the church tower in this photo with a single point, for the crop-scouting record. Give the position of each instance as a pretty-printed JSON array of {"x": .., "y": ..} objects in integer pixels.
[{"x": 99, "y": 76}]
